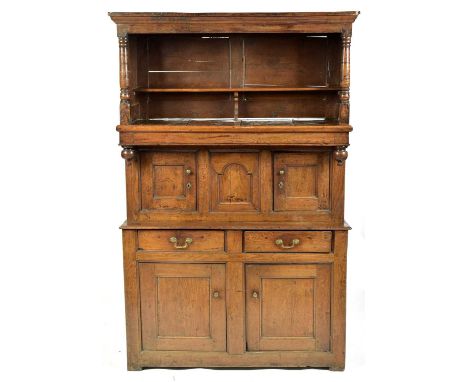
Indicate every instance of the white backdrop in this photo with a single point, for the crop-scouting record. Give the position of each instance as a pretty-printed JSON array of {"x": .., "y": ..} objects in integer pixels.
[{"x": 61, "y": 281}]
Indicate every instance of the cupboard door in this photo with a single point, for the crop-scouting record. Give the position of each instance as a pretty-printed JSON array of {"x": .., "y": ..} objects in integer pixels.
[
  {"x": 288, "y": 307},
  {"x": 168, "y": 181},
  {"x": 302, "y": 181},
  {"x": 183, "y": 306},
  {"x": 235, "y": 181}
]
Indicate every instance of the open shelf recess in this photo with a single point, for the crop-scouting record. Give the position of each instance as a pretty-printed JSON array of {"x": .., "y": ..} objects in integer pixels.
[{"x": 258, "y": 78}]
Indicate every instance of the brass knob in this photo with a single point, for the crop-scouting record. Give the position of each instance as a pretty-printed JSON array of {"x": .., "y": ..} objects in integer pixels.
[
  {"x": 255, "y": 294},
  {"x": 215, "y": 294},
  {"x": 280, "y": 243},
  {"x": 187, "y": 241},
  {"x": 188, "y": 171},
  {"x": 281, "y": 172}
]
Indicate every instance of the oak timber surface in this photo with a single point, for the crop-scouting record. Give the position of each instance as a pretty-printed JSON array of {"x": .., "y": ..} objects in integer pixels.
[{"x": 234, "y": 128}]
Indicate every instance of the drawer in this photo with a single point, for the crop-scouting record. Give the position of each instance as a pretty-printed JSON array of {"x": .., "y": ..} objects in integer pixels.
[
  {"x": 287, "y": 241},
  {"x": 181, "y": 240}
]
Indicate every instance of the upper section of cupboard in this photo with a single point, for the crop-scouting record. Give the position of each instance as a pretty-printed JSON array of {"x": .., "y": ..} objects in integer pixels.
[{"x": 240, "y": 69}]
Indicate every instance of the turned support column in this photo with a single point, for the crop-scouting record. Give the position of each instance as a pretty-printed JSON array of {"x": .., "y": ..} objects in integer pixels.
[
  {"x": 236, "y": 108},
  {"x": 343, "y": 116},
  {"x": 124, "y": 81},
  {"x": 345, "y": 76}
]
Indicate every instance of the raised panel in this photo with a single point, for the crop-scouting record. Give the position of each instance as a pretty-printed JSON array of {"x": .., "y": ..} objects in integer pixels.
[
  {"x": 294, "y": 298},
  {"x": 183, "y": 306},
  {"x": 306, "y": 189},
  {"x": 235, "y": 181},
  {"x": 189, "y": 299},
  {"x": 168, "y": 181},
  {"x": 288, "y": 307},
  {"x": 302, "y": 181}
]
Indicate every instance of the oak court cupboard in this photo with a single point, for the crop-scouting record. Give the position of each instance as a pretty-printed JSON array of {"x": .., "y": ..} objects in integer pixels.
[{"x": 234, "y": 129}]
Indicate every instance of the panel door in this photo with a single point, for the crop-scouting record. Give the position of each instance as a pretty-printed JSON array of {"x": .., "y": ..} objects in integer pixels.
[
  {"x": 288, "y": 307},
  {"x": 235, "y": 181},
  {"x": 302, "y": 181},
  {"x": 183, "y": 306},
  {"x": 168, "y": 181}
]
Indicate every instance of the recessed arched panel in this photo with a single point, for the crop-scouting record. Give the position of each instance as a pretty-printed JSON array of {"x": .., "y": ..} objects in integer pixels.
[{"x": 235, "y": 181}]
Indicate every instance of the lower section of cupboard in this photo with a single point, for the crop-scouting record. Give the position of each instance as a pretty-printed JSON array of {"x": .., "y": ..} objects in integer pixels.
[{"x": 185, "y": 311}]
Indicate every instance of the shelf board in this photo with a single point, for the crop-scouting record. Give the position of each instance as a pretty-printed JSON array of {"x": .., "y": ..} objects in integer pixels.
[
  {"x": 231, "y": 90},
  {"x": 239, "y": 122}
]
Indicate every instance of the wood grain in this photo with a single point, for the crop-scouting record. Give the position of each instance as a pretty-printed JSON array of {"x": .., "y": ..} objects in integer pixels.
[
  {"x": 132, "y": 299},
  {"x": 235, "y": 307},
  {"x": 229, "y": 139},
  {"x": 338, "y": 312}
]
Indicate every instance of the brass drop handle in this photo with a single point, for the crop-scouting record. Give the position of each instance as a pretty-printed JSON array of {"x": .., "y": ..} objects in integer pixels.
[
  {"x": 188, "y": 171},
  {"x": 188, "y": 241},
  {"x": 255, "y": 294},
  {"x": 282, "y": 172},
  {"x": 280, "y": 243},
  {"x": 215, "y": 294}
]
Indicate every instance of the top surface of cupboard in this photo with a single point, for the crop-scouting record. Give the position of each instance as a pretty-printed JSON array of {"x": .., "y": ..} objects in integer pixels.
[{"x": 302, "y": 22}]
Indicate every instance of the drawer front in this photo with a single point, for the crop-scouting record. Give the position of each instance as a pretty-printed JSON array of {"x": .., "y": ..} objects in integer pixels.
[
  {"x": 181, "y": 240},
  {"x": 287, "y": 241}
]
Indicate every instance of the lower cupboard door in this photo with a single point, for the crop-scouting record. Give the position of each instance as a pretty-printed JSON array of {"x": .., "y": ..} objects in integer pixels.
[
  {"x": 288, "y": 307},
  {"x": 183, "y": 306}
]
